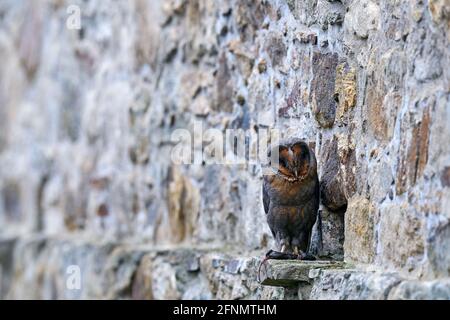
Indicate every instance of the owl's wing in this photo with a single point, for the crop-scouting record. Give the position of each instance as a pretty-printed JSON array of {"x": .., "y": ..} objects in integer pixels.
[{"x": 266, "y": 199}]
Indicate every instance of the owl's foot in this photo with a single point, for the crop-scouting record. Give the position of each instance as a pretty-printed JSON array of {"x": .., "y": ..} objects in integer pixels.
[
  {"x": 277, "y": 255},
  {"x": 283, "y": 248},
  {"x": 305, "y": 256}
]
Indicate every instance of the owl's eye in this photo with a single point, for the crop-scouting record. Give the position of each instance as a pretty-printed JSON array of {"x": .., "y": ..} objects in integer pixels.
[{"x": 283, "y": 162}]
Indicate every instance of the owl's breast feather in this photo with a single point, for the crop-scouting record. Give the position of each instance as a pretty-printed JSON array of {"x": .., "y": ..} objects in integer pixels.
[{"x": 283, "y": 192}]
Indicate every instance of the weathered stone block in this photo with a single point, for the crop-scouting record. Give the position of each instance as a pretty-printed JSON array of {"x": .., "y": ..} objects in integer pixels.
[
  {"x": 359, "y": 244},
  {"x": 383, "y": 92},
  {"x": 401, "y": 236},
  {"x": 322, "y": 87},
  {"x": 331, "y": 186},
  {"x": 421, "y": 290},
  {"x": 288, "y": 273},
  {"x": 332, "y": 235},
  {"x": 438, "y": 244},
  {"x": 353, "y": 285},
  {"x": 345, "y": 91},
  {"x": 413, "y": 160},
  {"x": 184, "y": 202}
]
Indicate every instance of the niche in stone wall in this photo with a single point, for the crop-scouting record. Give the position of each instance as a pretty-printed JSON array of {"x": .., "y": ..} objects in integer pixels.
[{"x": 336, "y": 182}]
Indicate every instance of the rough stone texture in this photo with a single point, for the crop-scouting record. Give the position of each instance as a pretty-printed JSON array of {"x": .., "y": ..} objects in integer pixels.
[
  {"x": 399, "y": 243},
  {"x": 352, "y": 284},
  {"x": 86, "y": 119},
  {"x": 6, "y": 265},
  {"x": 332, "y": 235},
  {"x": 345, "y": 92},
  {"x": 323, "y": 103},
  {"x": 331, "y": 185},
  {"x": 359, "y": 225},
  {"x": 416, "y": 290},
  {"x": 291, "y": 272}
]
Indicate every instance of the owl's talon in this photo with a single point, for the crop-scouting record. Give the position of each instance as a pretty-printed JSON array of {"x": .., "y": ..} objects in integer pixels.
[
  {"x": 283, "y": 248},
  {"x": 306, "y": 256}
]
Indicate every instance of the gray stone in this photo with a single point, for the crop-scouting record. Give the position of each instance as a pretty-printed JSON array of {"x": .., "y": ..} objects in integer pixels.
[
  {"x": 6, "y": 264},
  {"x": 118, "y": 272},
  {"x": 87, "y": 119},
  {"x": 352, "y": 284},
  {"x": 331, "y": 187},
  {"x": 418, "y": 290},
  {"x": 332, "y": 235},
  {"x": 438, "y": 248},
  {"x": 363, "y": 17},
  {"x": 276, "y": 49},
  {"x": 288, "y": 273}
]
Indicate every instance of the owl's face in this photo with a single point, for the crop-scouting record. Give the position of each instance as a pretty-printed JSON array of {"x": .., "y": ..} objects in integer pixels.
[{"x": 294, "y": 159}]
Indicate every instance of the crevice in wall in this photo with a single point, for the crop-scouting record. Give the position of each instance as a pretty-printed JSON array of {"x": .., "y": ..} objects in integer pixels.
[{"x": 333, "y": 203}]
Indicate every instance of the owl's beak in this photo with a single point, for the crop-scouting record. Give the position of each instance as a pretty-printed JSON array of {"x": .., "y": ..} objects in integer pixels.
[{"x": 291, "y": 154}]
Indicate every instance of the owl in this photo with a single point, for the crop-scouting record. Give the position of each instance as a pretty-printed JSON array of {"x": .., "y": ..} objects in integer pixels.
[{"x": 291, "y": 196}]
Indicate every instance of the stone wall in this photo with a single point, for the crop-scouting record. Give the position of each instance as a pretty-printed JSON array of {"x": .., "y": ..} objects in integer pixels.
[{"x": 86, "y": 118}]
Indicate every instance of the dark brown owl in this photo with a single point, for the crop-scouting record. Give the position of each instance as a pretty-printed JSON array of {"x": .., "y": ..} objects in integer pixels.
[{"x": 291, "y": 196}]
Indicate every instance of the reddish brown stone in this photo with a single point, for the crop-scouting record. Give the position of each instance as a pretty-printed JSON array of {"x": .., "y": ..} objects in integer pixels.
[
  {"x": 424, "y": 140},
  {"x": 348, "y": 176},
  {"x": 99, "y": 182},
  {"x": 375, "y": 108},
  {"x": 102, "y": 210},
  {"x": 412, "y": 165},
  {"x": 322, "y": 87},
  {"x": 445, "y": 177},
  {"x": 382, "y": 98}
]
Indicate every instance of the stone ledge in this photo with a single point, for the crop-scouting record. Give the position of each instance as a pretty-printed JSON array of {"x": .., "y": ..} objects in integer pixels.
[
  {"x": 289, "y": 273},
  {"x": 118, "y": 271},
  {"x": 355, "y": 284}
]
